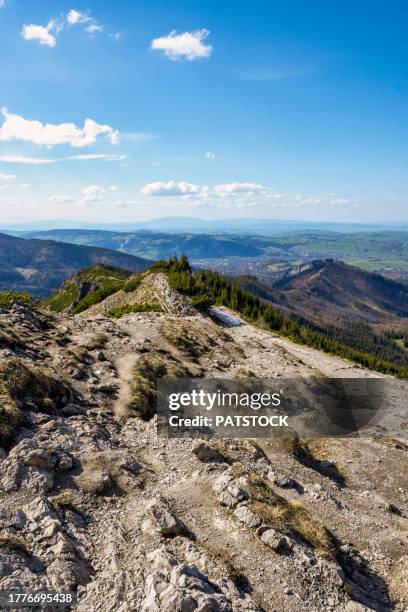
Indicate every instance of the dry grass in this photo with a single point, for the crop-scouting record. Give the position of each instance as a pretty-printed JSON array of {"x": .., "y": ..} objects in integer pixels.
[
  {"x": 10, "y": 415},
  {"x": 98, "y": 342},
  {"x": 108, "y": 473},
  {"x": 65, "y": 500},
  {"x": 398, "y": 579},
  {"x": 148, "y": 369},
  {"x": 225, "y": 558},
  {"x": 290, "y": 518},
  {"x": 188, "y": 337},
  {"x": 24, "y": 387},
  {"x": 392, "y": 443},
  {"x": 304, "y": 451},
  {"x": 78, "y": 355},
  {"x": 13, "y": 542},
  {"x": 244, "y": 373},
  {"x": 235, "y": 451}
]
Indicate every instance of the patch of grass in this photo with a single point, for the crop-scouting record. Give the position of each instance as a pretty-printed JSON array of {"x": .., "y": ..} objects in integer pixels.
[
  {"x": 24, "y": 387},
  {"x": 188, "y": 337},
  {"x": 290, "y": 518},
  {"x": 9, "y": 298},
  {"x": 95, "y": 297},
  {"x": 64, "y": 298},
  {"x": 65, "y": 500},
  {"x": 133, "y": 283},
  {"x": 10, "y": 416},
  {"x": 98, "y": 342},
  {"x": 392, "y": 443},
  {"x": 301, "y": 451},
  {"x": 92, "y": 285},
  {"x": 13, "y": 542},
  {"x": 201, "y": 302},
  {"x": 102, "y": 271},
  {"x": 223, "y": 557},
  {"x": 108, "y": 473},
  {"x": 78, "y": 355},
  {"x": 148, "y": 370},
  {"x": 120, "y": 311}
]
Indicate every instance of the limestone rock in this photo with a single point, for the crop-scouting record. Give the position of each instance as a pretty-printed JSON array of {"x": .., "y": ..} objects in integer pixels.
[
  {"x": 276, "y": 541},
  {"x": 246, "y": 516},
  {"x": 207, "y": 454},
  {"x": 167, "y": 522}
]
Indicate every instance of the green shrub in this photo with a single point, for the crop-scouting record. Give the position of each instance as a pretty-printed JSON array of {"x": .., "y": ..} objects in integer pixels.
[
  {"x": 9, "y": 298},
  {"x": 201, "y": 302},
  {"x": 119, "y": 311},
  {"x": 63, "y": 298},
  {"x": 98, "y": 296},
  {"x": 133, "y": 283},
  {"x": 172, "y": 265}
]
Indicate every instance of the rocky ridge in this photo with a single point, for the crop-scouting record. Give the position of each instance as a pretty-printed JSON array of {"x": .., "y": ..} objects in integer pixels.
[{"x": 93, "y": 501}]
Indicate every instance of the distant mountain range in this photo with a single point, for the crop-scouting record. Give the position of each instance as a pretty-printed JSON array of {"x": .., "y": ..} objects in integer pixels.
[
  {"x": 326, "y": 304},
  {"x": 331, "y": 292},
  {"x": 246, "y": 225},
  {"x": 265, "y": 256},
  {"x": 40, "y": 266}
]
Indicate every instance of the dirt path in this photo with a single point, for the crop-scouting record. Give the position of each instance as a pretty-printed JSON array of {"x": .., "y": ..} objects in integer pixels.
[{"x": 124, "y": 366}]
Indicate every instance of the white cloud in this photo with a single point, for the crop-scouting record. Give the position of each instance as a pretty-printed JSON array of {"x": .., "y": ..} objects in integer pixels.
[
  {"x": 74, "y": 17},
  {"x": 231, "y": 189},
  {"x": 47, "y": 35},
  {"x": 188, "y": 45},
  {"x": 7, "y": 177},
  {"x": 171, "y": 188},
  {"x": 96, "y": 156},
  {"x": 91, "y": 194},
  {"x": 240, "y": 195},
  {"x": 209, "y": 155},
  {"x": 42, "y": 34},
  {"x": 2, "y": 3},
  {"x": 62, "y": 199},
  {"x": 16, "y": 127},
  {"x": 18, "y": 159},
  {"x": 340, "y": 201},
  {"x": 94, "y": 27},
  {"x": 91, "y": 25}
]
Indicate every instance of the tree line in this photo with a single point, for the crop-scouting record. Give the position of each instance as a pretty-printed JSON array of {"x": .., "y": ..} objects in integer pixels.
[{"x": 356, "y": 342}]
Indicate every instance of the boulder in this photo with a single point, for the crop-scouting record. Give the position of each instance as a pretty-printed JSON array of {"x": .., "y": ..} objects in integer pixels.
[
  {"x": 275, "y": 540},
  {"x": 246, "y": 516},
  {"x": 207, "y": 454},
  {"x": 169, "y": 525}
]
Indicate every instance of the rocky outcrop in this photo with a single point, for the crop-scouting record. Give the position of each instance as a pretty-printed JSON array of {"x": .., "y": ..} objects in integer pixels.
[{"x": 99, "y": 504}]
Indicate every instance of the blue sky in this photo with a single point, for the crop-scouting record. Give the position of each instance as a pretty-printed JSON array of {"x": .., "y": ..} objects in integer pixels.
[{"x": 217, "y": 109}]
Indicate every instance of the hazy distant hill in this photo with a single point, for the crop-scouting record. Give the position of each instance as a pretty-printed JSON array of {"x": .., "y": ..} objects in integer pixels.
[
  {"x": 385, "y": 252},
  {"x": 156, "y": 245},
  {"x": 243, "y": 225},
  {"x": 40, "y": 266}
]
